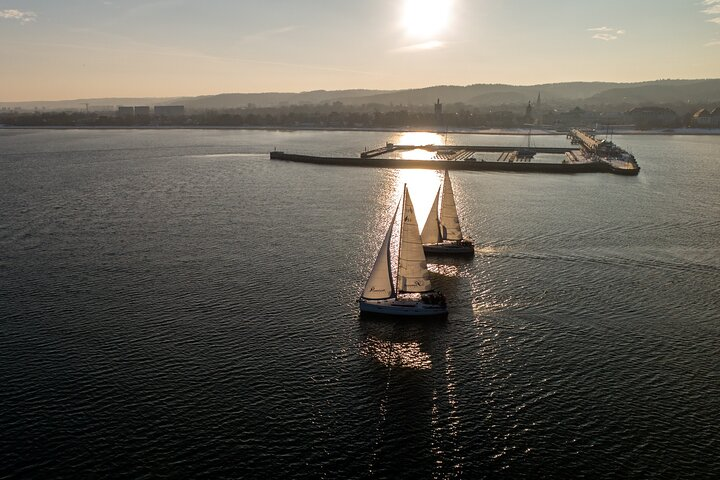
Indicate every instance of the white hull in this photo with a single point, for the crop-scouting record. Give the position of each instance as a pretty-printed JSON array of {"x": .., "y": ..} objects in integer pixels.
[
  {"x": 450, "y": 248},
  {"x": 402, "y": 308}
]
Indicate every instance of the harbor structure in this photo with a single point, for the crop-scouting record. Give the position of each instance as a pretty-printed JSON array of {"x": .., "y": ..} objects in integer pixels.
[{"x": 592, "y": 155}]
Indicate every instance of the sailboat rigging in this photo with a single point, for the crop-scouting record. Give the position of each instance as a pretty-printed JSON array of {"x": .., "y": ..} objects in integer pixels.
[
  {"x": 442, "y": 233},
  {"x": 412, "y": 294}
]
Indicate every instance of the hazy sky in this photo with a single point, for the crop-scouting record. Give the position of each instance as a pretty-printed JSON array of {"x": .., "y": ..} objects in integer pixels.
[{"x": 80, "y": 48}]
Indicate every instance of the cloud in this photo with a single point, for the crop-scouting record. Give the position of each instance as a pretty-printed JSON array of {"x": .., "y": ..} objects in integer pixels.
[
  {"x": 22, "y": 17},
  {"x": 713, "y": 9},
  {"x": 418, "y": 47},
  {"x": 606, "y": 33},
  {"x": 714, "y": 43}
]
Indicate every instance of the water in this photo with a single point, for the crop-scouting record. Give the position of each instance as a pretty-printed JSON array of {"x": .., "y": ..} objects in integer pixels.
[{"x": 175, "y": 304}]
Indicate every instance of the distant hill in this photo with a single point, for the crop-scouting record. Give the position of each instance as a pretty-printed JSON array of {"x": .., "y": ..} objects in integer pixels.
[
  {"x": 273, "y": 99},
  {"x": 557, "y": 95},
  {"x": 79, "y": 104},
  {"x": 661, "y": 92}
]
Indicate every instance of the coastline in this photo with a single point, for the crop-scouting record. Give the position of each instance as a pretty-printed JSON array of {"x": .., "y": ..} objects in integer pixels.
[{"x": 488, "y": 131}]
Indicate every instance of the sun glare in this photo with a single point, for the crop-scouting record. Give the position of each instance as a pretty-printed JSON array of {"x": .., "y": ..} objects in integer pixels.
[{"x": 426, "y": 18}]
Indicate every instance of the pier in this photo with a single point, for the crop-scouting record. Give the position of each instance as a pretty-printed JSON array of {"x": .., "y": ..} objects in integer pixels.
[{"x": 603, "y": 150}]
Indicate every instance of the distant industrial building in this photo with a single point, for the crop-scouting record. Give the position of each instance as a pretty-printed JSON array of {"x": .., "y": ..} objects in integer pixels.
[
  {"x": 169, "y": 110},
  {"x": 142, "y": 111},
  {"x": 125, "y": 111}
]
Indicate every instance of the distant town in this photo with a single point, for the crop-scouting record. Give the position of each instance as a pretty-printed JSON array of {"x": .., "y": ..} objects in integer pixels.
[{"x": 669, "y": 104}]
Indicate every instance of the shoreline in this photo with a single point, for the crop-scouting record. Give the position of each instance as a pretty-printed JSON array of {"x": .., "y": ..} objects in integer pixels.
[{"x": 489, "y": 131}]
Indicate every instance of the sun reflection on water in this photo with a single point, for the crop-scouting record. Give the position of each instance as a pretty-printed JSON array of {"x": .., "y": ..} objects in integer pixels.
[
  {"x": 396, "y": 354},
  {"x": 419, "y": 138}
]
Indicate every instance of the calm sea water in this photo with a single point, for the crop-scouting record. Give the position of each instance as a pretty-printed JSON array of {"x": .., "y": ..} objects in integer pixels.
[{"x": 175, "y": 304}]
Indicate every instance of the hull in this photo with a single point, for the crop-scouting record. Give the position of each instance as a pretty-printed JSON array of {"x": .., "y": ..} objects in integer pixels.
[
  {"x": 450, "y": 248},
  {"x": 402, "y": 308}
]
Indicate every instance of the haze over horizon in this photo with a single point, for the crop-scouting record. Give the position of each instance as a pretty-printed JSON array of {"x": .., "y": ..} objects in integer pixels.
[{"x": 174, "y": 48}]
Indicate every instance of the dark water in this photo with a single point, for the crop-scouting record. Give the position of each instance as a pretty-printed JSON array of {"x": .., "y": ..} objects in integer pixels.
[{"x": 174, "y": 304}]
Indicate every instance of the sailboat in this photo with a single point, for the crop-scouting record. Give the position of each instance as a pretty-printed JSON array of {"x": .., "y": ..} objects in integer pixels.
[
  {"x": 443, "y": 235},
  {"x": 412, "y": 294}
]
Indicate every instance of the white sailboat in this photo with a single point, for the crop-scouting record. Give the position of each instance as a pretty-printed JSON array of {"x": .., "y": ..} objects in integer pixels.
[
  {"x": 443, "y": 235},
  {"x": 412, "y": 294}
]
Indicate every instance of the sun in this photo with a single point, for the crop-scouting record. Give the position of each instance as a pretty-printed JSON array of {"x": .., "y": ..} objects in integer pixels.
[{"x": 426, "y": 18}]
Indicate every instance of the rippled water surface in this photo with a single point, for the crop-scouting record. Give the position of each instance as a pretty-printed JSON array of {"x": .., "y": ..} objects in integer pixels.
[{"x": 175, "y": 304}]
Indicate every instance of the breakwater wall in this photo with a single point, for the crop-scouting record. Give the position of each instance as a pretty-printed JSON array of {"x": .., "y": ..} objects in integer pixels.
[{"x": 587, "y": 167}]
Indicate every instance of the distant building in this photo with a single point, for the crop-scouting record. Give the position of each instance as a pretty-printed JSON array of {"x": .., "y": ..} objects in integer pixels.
[
  {"x": 715, "y": 116},
  {"x": 438, "y": 108},
  {"x": 142, "y": 111},
  {"x": 649, "y": 117},
  {"x": 125, "y": 111},
  {"x": 538, "y": 102},
  {"x": 169, "y": 110},
  {"x": 529, "y": 112},
  {"x": 701, "y": 119}
]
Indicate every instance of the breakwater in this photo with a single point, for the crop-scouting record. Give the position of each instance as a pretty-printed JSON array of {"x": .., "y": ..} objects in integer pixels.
[{"x": 582, "y": 167}]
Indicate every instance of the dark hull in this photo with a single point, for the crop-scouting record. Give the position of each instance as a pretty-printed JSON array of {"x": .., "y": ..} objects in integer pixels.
[{"x": 449, "y": 249}]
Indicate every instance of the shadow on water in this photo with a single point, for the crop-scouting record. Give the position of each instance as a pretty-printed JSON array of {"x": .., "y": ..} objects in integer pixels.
[
  {"x": 449, "y": 260},
  {"x": 403, "y": 355}
]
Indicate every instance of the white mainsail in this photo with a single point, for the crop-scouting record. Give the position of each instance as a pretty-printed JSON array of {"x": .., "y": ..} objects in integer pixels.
[
  {"x": 412, "y": 275},
  {"x": 431, "y": 231},
  {"x": 448, "y": 212},
  {"x": 379, "y": 285}
]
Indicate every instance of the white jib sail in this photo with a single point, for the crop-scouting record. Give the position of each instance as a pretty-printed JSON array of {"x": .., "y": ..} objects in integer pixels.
[
  {"x": 448, "y": 212},
  {"x": 431, "y": 231},
  {"x": 413, "y": 275},
  {"x": 379, "y": 285}
]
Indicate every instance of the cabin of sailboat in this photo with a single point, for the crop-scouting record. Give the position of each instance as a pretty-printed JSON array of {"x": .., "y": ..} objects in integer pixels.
[
  {"x": 412, "y": 295},
  {"x": 442, "y": 233}
]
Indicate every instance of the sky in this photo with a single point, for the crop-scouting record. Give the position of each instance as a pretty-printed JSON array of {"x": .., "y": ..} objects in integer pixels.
[{"x": 53, "y": 50}]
